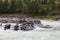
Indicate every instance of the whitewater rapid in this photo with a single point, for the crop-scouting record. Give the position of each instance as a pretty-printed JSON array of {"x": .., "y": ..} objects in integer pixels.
[
  {"x": 36, "y": 34},
  {"x": 52, "y": 23}
]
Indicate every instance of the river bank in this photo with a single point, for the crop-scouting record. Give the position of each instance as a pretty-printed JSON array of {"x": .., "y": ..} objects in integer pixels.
[{"x": 26, "y": 16}]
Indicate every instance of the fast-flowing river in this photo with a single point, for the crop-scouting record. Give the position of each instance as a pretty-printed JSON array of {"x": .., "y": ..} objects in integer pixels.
[
  {"x": 34, "y": 34},
  {"x": 51, "y": 23}
]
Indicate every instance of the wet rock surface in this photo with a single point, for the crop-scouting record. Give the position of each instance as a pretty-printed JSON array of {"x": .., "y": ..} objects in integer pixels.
[
  {"x": 24, "y": 24},
  {"x": 16, "y": 27},
  {"x": 7, "y": 26},
  {"x": 27, "y": 26}
]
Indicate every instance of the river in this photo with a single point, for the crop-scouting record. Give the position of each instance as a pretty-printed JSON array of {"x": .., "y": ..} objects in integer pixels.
[{"x": 34, "y": 34}]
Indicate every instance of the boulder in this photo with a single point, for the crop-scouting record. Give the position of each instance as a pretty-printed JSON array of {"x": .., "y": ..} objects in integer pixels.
[
  {"x": 16, "y": 27},
  {"x": 7, "y": 26},
  {"x": 22, "y": 21},
  {"x": 3, "y": 21},
  {"x": 37, "y": 22},
  {"x": 27, "y": 26}
]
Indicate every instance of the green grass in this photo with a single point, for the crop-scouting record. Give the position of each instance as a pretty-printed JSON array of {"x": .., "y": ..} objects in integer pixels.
[
  {"x": 12, "y": 14},
  {"x": 43, "y": 17},
  {"x": 24, "y": 15}
]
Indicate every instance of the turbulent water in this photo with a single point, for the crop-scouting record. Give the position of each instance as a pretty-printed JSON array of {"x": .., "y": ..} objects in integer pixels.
[
  {"x": 51, "y": 22},
  {"x": 37, "y": 34}
]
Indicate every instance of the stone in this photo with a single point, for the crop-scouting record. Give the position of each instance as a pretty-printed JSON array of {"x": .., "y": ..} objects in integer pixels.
[
  {"x": 16, "y": 27},
  {"x": 27, "y": 27},
  {"x": 37, "y": 22},
  {"x": 7, "y": 26}
]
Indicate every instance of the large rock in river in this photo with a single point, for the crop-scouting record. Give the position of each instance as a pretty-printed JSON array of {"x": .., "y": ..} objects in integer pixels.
[
  {"x": 7, "y": 26},
  {"x": 27, "y": 26}
]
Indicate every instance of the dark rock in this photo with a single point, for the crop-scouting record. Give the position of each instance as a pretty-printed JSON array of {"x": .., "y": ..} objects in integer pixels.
[
  {"x": 22, "y": 21},
  {"x": 16, "y": 27},
  {"x": 7, "y": 26},
  {"x": 27, "y": 26},
  {"x": 37, "y": 21},
  {"x": 3, "y": 21}
]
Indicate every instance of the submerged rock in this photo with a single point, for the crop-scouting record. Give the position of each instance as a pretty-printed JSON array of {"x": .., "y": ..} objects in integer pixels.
[
  {"x": 45, "y": 26},
  {"x": 57, "y": 29},
  {"x": 37, "y": 22}
]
